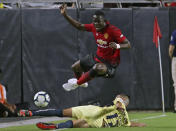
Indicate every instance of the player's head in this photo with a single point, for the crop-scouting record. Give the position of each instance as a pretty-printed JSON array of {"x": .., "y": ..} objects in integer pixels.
[
  {"x": 121, "y": 98},
  {"x": 99, "y": 20}
]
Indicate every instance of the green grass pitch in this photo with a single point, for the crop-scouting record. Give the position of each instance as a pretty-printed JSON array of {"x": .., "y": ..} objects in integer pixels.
[{"x": 154, "y": 121}]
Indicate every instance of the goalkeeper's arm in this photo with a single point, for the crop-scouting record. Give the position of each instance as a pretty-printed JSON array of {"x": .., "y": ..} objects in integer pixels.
[{"x": 136, "y": 124}]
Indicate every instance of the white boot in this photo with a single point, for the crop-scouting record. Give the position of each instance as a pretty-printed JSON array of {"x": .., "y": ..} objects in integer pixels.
[
  {"x": 74, "y": 81},
  {"x": 69, "y": 87}
]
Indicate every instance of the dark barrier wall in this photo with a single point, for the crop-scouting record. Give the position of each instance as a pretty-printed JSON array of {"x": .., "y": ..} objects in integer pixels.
[
  {"x": 146, "y": 59},
  {"x": 50, "y": 45},
  {"x": 10, "y": 53},
  {"x": 49, "y": 49},
  {"x": 172, "y": 19}
]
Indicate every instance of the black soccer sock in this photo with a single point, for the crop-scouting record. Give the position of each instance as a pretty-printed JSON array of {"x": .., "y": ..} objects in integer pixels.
[
  {"x": 92, "y": 73},
  {"x": 67, "y": 124},
  {"x": 48, "y": 112},
  {"x": 77, "y": 75}
]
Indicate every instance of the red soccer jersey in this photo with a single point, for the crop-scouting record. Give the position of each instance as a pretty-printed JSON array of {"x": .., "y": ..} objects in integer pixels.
[{"x": 109, "y": 34}]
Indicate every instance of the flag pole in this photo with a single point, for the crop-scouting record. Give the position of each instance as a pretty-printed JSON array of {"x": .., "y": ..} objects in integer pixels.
[{"x": 161, "y": 76}]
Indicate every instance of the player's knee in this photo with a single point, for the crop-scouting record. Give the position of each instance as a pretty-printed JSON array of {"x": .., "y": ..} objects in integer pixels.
[
  {"x": 86, "y": 125},
  {"x": 100, "y": 68},
  {"x": 76, "y": 66},
  {"x": 82, "y": 124}
]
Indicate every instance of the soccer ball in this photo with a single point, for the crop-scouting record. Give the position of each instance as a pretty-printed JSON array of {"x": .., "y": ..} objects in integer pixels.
[{"x": 41, "y": 99}]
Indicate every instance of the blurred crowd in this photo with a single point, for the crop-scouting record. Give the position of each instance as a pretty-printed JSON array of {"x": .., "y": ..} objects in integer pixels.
[{"x": 88, "y": 5}]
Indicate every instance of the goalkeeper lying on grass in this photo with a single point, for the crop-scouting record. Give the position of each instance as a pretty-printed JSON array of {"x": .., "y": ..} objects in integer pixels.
[{"x": 88, "y": 116}]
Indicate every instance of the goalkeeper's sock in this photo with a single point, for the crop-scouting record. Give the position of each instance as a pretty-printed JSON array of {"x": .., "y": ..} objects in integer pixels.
[
  {"x": 87, "y": 77},
  {"x": 48, "y": 112},
  {"x": 67, "y": 124}
]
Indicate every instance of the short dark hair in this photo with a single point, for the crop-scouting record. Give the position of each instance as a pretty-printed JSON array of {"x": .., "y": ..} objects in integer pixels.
[
  {"x": 99, "y": 13},
  {"x": 124, "y": 95}
]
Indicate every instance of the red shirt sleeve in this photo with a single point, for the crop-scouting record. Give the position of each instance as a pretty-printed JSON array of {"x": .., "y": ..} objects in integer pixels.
[
  {"x": 118, "y": 36},
  {"x": 89, "y": 27}
]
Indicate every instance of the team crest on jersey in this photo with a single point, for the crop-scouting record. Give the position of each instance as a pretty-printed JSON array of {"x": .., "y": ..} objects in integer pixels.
[{"x": 106, "y": 35}]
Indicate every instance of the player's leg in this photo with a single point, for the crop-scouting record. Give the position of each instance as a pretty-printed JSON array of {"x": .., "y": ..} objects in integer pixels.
[
  {"x": 5, "y": 111},
  {"x": 174, "y": 79},
  {"x": 67, "y": 124},
  {"x": 83, "y": 65},
  {"x": 90, "y": 67},
  {"x": 47, "y": 112},
  {"x": 80, "y": 124},
  {"x": 99, "y": 69},
  {"x": 76, "y": 67}
]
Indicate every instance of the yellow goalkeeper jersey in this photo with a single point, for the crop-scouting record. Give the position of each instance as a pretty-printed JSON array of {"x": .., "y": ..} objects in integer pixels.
[{"x": 102, "y": 116}]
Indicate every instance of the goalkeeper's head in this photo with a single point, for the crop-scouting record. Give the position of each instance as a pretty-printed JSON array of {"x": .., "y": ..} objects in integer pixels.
[{"x": 121, "y": 100}]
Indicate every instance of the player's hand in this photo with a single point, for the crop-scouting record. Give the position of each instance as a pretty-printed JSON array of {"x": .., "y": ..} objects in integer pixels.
[
  {"x": 119, "y": 106},
  {"x": 13, "y": 107},
  {"x": 137, "y": 124},
  {"x": 63, "y": 9},
  {"x": 10, "y": 107},
  {"x": 142, "y": 125},
  {"x": 114, "y": 45}
]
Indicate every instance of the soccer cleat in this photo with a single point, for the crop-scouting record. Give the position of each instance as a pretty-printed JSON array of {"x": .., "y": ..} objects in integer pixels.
[
  {"x": 46, "y": 126},
  {"x": 74, "y": 82},
  {"x": 24, "y": 113},
  {"x": 67, "y": 87},
  {"x": 71, "y": 85},
  {"x": 85, "y": 85}
]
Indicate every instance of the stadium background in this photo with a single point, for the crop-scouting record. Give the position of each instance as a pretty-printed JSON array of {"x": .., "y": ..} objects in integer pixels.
[{"x": 38, "y": 47}]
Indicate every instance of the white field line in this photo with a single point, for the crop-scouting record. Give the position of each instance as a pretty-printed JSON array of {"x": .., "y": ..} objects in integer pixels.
[
  {"x": 31, "y": 121},
  {"x": 61, "y": 129},
  {"x": 150, "y": 117},
  {"x": 47, "y": 119}
]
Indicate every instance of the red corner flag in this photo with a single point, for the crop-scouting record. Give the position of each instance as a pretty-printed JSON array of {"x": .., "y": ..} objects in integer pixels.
[{"x": 156, "y": 32}]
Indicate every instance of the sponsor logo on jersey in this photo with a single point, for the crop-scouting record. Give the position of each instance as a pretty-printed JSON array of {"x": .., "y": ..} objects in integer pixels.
[
  {"x": 106, "y": 35},
  {"x": 101, "y": 42}
]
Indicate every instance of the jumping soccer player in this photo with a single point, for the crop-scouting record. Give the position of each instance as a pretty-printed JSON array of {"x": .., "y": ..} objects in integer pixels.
[
  {"x": 88, "y": 116},
  {"x": 109, "y": 40}
]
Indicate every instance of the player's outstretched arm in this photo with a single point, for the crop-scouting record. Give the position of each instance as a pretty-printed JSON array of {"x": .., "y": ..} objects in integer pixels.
[
  {"x": 72, "y": 21},
  {"x": 125, "y": 44},
  {"x": 136, "y": 124},
  {"x": 171, "y": 50}
]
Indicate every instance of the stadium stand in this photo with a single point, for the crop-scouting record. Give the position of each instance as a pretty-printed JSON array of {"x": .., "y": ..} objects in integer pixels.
[{"x": 86, "y": 3}]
